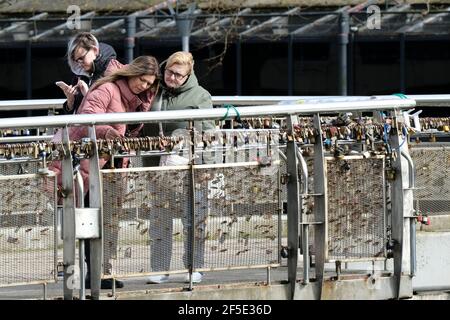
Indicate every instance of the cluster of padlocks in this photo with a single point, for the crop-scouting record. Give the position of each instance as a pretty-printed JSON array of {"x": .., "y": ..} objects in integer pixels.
[
  {"x": 84, "y": 147},
  {"x": 334, "y": 129},
  {"x": 439, "y": 124}
]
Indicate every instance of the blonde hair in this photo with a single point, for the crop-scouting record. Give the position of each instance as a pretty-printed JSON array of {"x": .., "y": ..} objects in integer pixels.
[
  {"x": 183, "y": 58},
  {"x": 143, "y": 65}
]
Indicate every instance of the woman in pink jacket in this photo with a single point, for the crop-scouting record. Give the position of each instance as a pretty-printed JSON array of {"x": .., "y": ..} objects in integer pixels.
[{"x": 130, "y": 88}]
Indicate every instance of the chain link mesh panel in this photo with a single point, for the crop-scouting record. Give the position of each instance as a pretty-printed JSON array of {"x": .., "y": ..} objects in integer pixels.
[
  {"x": 243, "y": 224},
  {"x": 27, "y": 229},
  {"x": 142, "y": 210},
  {"x": 432, "y": 165},
  {"x": 148, "y": 218},
  {"x": 356, "y": 209}
]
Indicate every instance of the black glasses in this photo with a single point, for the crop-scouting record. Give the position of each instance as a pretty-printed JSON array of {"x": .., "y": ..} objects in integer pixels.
[
  {"x": 81, "y": 59},
  {"x": 177, "y": 76}
]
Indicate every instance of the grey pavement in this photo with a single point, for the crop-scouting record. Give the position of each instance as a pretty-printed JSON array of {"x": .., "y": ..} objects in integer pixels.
[{"x": 55, "y": 290}]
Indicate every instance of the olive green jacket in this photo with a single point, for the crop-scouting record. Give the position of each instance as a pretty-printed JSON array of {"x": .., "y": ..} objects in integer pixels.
[{"x": 188, "y": 96}]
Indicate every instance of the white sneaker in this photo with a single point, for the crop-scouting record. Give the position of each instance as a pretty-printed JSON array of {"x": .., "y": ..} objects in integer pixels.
[
  {"x": 196, "y": 277},
  {"x": 157, "y": 279}
]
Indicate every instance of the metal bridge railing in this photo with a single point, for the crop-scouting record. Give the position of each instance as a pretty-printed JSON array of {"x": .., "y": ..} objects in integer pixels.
[
  {"x": 28, "y": 242},
  {"x": 53, "y": 105},
  {"x": 432, "y": 164},
  {"x": 240, "y": 201},
  {"x": 235, "y": 221}
]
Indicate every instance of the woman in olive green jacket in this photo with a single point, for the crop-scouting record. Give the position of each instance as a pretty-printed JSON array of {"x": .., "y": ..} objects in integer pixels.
[{"x": 180, "y": 90}]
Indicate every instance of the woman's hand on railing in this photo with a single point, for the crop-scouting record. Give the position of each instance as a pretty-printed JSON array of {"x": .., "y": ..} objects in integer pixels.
[{"x": 112, "y": 134}]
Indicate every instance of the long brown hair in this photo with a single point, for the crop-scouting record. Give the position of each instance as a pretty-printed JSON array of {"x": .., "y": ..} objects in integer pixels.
[{"x": 143, "y": 65}]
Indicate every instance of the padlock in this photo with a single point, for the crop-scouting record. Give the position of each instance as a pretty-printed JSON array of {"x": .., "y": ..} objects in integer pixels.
[
  {"x": 147, "y": 143},
  {"x": 424, "y": 220},
  {"x": 127, "y": 144},
  {"x": 390, "y": 174},
  {"x": 284, "y": 178},
  {"x": 312, "y": 136}
]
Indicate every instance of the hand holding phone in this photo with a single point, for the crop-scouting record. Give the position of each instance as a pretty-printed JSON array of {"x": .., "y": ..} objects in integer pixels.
[
  {"x": 61, "y": 84},
  {"x": 82, "y": 87},
  {"x": 69, "y": 92}
]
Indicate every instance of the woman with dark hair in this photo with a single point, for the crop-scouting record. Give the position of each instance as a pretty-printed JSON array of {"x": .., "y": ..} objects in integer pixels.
[
  {"x": 88, "y": 60},
  {"x": 130, "y": 88}
]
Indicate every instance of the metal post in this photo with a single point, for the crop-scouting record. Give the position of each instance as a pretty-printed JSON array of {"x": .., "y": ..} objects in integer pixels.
[
  {"x": 402, "y": 63},
  {"x": 290, "y": 66},
  {"x": 68, "y": 218},
  {"x": 280, "y": 212},
  {"x": 304, "y": 236},
  {"x": 191, "y": 233},
  {"x": 338, "y": 269},
  {"x": 305, "y": 249},
  {"x": 412, "y": 217},
  {"x": 320, "y": 206},
  {"x": 45, "y": 290},
  {"x": 129, "y": 40},
  {"x": 81, "y": 256},
  {"x": 113, "y": 291},
  {"x": 185, "y": 23},
  {"x": 344, "y": 27},
  {"x": 28, "y": 76},
  {"x": 397, "y": 196},
  {"x": 28, "y": 70},
  {"x": 268, "y": 276},
  {"x": 350, "y": 68},
  {"x": 82, "y": 269},
  {"x": 412, "y": 235},
  {"x": 138, "y": 46},
  {"x": 95, "y": 201},
  {"x": 185, "y": 43},
  {"x": 293, "y": 205},
  {"x": 239, "y": 66}
]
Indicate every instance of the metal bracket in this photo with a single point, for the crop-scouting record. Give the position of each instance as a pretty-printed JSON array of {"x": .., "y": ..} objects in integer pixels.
[{"x": 87, "y": 224}]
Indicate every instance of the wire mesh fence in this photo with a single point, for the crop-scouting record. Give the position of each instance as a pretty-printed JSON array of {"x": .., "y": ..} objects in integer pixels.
[
  {"x": 154, "y": 222},
  {"x": 432, "y": 166},
  {"x": 27, "y": 229},
  {"x": 356, "y": 208}
]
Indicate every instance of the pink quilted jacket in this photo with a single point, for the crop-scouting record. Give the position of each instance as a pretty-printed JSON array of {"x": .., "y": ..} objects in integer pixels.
[{"x": 107, "y": 98}]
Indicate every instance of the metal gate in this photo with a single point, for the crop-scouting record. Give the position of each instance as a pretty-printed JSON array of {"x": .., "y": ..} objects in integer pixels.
[
  {"x": 150, "y": 225},
  {"x": 432, "y": 163},
  {"x": 356, "y": 208}
]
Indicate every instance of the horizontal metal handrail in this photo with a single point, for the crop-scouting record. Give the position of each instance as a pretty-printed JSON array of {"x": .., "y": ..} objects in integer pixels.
[
  {"x": 431, "y": 100},
  {"x": 39, "y": 104},
  {"x": 203, "y": 114},
  {"x": 15, "y": 139}
]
